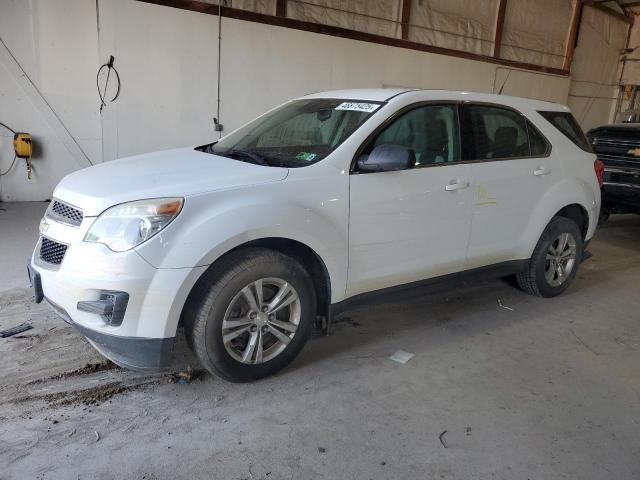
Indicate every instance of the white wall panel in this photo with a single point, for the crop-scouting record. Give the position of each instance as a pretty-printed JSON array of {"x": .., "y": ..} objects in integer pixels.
[
  {"x": 55, "y": 43},
  {"x": 466, "y": 25},
  {"x": 595, "y": 69},
  {"x": 268, "y": 7},
  {"x": 631, "y": 73},
  {"x": 380, "y": 17},
  {"x": 167, "y": 59},
  {"x": 535, "y": 31}
]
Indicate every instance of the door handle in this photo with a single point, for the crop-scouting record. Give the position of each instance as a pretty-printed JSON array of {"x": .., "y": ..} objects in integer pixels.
[
  {"x": 541, "y": 171},
  {"x": 456, "y": 185}
]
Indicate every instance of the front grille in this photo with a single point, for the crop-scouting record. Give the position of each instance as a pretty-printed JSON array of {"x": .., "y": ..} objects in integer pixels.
[
  {"x": 52, "y": 252},
  {"x": 617, "y": 146},
  {"x": 626, "y": 150},
  {"x": 65, "y": 213},
  {"x": 621, "y": 176}
]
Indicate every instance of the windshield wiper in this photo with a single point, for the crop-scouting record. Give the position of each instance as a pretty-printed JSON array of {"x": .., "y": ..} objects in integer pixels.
[{"x": 256, "y": 157}]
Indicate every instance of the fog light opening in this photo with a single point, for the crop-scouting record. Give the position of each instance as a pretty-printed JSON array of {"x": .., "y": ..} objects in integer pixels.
[{"x": 111, "y": 306}]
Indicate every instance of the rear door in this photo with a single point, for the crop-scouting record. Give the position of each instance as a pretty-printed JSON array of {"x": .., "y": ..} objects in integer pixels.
[
  {"x": 511, "y": 168},
  {"x": 414, "y": 224}
]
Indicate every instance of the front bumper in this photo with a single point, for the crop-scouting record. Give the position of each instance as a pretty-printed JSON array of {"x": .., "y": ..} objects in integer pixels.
[
  {"x": 146, "y": 335},
  {"x": 134, "y": 353},
  {"x": 128, "y": 352}
]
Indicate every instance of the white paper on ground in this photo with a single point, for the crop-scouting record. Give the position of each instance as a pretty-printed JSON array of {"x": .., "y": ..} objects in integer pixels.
[{"x": 401, "y": 356}]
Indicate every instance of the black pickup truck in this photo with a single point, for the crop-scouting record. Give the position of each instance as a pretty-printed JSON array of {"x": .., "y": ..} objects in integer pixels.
[{"x": 618, "y": 146}]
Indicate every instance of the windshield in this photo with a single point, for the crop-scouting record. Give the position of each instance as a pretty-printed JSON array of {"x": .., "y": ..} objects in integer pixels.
[{"x": 297, "y": 134}]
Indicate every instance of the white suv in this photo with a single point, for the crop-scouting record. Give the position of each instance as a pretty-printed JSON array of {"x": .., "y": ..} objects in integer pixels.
[{"x": 250, "y": 241}]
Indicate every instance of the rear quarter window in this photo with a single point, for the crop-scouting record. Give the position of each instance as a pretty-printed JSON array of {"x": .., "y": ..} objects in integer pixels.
[
  {"x": 567, "y": 124},
  {"x": 538, "y": 144}
]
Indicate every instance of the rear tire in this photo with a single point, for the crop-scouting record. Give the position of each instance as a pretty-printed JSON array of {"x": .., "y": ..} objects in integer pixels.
[
  {"x": 237, "y": 324},
  {"x": 555, "y": 260}
]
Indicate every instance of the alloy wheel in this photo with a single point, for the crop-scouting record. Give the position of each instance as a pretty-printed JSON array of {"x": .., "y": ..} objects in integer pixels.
[
  {"x": 261, "y": 320},
  {"x": 560, "y": 259}
]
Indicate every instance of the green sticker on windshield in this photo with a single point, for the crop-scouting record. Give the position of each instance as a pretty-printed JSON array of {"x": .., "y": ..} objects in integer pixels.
[{"x": 306, "y": 156}]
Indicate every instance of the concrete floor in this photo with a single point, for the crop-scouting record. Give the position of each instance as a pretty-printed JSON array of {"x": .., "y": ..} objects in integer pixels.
[
  {"x": 18, "y": 235},
  {"x": 543, "y": 389}
]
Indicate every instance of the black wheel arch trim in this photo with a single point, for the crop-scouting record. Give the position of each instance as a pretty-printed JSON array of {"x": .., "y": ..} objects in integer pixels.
[{"x": 317, "y": 270}]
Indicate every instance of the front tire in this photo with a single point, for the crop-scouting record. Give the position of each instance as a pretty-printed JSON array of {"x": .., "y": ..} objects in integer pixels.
[
  {"x": 251, "y": 314},
  {"x": 555, "y": 260}
]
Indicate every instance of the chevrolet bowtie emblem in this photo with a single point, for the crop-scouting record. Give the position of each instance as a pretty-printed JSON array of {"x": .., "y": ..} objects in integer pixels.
[
  {"x": 635, "y": 152},
  {"x": 44, "y": 225}
]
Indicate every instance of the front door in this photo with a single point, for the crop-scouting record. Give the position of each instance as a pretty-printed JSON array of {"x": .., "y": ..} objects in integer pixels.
[{"x": 414, "y": 224}]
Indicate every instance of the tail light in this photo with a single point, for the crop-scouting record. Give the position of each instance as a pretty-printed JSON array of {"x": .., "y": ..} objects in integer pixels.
[{"x": 598, "y": 166}]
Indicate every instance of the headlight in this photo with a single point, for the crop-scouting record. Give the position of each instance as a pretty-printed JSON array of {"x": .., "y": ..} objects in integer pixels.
[{"x": 129, "y": 224}]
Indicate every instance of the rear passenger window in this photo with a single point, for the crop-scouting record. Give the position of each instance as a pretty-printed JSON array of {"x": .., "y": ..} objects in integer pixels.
[
  {"x": 493, "y": 133},
  {"x": 565, "y": 122}
]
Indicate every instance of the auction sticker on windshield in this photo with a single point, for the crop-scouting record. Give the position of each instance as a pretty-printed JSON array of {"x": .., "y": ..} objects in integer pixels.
[{"x": 358, "y": 106}]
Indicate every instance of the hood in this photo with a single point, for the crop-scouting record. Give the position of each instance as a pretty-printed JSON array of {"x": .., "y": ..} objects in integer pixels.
[
  {"x": 625, "y": 128},
  {"x": 171, "y": 173}
]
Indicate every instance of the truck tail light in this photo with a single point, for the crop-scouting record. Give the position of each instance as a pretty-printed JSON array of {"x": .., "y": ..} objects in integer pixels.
[{"x": 598, "y": 166}]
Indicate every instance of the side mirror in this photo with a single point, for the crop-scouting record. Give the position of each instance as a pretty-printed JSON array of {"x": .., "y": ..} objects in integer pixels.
[{"x": 387, "y": 158}]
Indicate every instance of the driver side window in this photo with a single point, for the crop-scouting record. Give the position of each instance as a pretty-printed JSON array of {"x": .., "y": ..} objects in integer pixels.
[{"x": 431, "y": 131}]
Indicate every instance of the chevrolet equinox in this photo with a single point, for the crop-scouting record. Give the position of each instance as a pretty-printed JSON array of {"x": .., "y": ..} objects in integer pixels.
[{"x": 248, "y": 242}]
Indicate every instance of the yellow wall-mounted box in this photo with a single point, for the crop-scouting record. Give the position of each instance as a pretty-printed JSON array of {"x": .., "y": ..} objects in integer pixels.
[{"x": 23, "y": 145}]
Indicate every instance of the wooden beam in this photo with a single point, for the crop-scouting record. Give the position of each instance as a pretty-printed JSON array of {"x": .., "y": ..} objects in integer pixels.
[
  {"x": 497, "y": 37},
  {"x": 405, "y": 19},
  {"x": 607, "y": 10},
  {"x": 249, "y": 16},
  {"x": 570, "y": 42},
  {"x": 281, "y": 8}
]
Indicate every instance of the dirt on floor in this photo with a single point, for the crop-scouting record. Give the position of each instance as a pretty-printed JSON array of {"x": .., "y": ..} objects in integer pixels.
[{"x": 52, "y": 364}]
